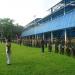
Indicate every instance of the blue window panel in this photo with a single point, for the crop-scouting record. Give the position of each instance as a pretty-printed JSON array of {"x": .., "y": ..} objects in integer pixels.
[
  {"x": 69, "y": 8},
  {"x": 58, "y": 13}
]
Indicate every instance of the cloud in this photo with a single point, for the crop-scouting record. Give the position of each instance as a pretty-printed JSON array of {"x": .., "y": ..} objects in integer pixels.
[{"x": 23, "y": 10}]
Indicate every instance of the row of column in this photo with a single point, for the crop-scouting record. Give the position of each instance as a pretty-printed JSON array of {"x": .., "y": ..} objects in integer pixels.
[{"x": 43, "y": 36}]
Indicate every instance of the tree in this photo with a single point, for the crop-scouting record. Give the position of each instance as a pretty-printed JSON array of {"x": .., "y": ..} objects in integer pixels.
[{"x": 9, "y": 28}]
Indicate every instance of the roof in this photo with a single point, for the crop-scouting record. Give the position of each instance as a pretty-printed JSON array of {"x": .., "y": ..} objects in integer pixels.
[{"x": 32, "y": 22}]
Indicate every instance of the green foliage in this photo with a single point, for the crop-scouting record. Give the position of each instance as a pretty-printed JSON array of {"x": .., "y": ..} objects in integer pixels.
[
  {"x": 8, "y": 27},
  {"x": 30, "y": 61}
]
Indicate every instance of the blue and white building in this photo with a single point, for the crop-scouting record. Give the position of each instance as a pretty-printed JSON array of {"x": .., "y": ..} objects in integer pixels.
[{"x": 60, "y": 23}]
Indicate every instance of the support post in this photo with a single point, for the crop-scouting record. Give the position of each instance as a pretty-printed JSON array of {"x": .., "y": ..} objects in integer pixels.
[
  {"x": 43, "y": 36},
  {"x": 37, "y": 36},
  {"x": 65, "y": 37},
  {"x": 52, "y": 37}
]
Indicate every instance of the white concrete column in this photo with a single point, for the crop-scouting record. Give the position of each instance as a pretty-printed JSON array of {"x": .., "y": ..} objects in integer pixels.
[
  {"x": 52, "y": 37},
  {"x": 37, "y": 36},
  {"x": 65, "y": 36},
  {"x": 43, "y": 36}
]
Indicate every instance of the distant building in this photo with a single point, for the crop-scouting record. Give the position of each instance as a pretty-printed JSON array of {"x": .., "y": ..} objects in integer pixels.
[{"x": 60, "y": 23}]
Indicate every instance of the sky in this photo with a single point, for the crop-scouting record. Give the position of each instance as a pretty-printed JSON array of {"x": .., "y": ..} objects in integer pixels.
[{"x": 23, "y": 11}]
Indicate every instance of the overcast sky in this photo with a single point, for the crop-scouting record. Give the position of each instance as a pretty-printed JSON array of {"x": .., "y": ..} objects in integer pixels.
[{"x": 23, "y": 11}]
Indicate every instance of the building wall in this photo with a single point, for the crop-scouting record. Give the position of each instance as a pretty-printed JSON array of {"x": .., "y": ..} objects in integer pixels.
[{"x": 61, "y": 22}]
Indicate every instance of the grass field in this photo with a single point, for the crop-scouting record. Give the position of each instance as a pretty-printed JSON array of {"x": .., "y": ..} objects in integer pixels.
[{"x": 30, "y": 61}]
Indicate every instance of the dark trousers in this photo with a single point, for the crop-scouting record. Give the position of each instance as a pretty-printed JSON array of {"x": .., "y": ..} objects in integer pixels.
[
  {"x": 49, "y": 48},
  {"x": 73, "y": 51},
  {"x": 61, "y": 50},
  {"x": 42, "y": 49},
  {"x": 56, "y": 49},
  {"x": 68, "y": 51}
]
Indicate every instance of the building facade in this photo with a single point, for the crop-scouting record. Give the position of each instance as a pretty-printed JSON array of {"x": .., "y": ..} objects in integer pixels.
[{"x": 59, "y": 24}]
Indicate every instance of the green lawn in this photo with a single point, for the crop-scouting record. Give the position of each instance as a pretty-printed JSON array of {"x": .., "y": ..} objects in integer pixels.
[{"x": 30, "y": 61}]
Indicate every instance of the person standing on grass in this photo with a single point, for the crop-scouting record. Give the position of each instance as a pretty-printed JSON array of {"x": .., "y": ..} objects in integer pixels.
[
  {"x": 49, "y": 46},
  {"x": 8, "y": 49},
  {"x": 20, "y": 41},
  {"x": 68, "y": 47},
  {"x": 56, "y": 46},
  {"x": 62, "y": 46},
  {"x": 42, "y": 45}
]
